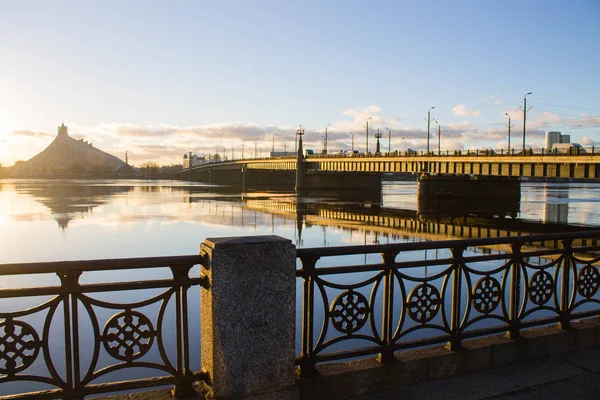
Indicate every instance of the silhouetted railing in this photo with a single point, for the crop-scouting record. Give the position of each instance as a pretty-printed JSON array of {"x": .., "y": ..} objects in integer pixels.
[
  {"x": 80, "y": 338},
  {"x": 74, "y": 335},
  {"x": 410, "y": 299}
]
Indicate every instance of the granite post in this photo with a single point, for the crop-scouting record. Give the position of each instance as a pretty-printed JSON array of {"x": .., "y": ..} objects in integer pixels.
[{"x": 248, "y": 316}]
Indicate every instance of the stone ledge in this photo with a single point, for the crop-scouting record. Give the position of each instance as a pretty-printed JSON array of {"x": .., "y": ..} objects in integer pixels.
[{"x": 362, "y": 377}]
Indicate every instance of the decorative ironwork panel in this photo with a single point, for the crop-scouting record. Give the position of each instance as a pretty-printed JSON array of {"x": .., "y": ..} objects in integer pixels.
[
  {"x": 19, "y": 346},
  {"x": 541, "y": 287},
  {"x": 423, "y": 303},
  {"x": 508, "y": 281},
  {"x": 128, "y": 335},
  {"x": 588, "y": 281},
  {"x": 349, "y": 311},
  {"x": 486, "y": 295}
]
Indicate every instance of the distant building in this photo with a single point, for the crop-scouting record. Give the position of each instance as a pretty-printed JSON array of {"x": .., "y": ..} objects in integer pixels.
[
  {"x": 195, "y": 160},
  {"x": 66, "y": 156},
  {"x": 556, "y": 137}
]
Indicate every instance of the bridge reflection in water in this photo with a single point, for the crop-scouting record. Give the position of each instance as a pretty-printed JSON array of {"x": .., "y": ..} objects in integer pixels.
[
  {"x": 365, "y": 213},
  {"x": 359, "y": 213}
]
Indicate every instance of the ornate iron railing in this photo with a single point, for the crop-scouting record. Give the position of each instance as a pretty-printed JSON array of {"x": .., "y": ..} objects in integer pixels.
[
  {"x": 410, "y": 299},
  {"x": 76, "y": 337}
]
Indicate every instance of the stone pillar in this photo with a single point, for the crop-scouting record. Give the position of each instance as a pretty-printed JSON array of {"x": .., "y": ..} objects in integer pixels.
[
  {"x": 300, "y": 168},
  {"x": 248, "y": 317}
]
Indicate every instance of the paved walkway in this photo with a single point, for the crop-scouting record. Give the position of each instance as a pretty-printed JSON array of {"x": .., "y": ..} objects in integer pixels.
[{"x": 573, "y": 376}]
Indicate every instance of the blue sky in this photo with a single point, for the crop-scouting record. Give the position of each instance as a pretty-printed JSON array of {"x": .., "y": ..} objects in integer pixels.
[{"x": 161, "y": 78}]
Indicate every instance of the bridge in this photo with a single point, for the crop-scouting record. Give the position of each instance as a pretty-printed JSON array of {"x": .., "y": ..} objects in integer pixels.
[{"x": 479, "y": 163}]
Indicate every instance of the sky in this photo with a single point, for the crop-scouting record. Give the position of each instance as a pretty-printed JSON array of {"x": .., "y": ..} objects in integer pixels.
[{"x": 160, "y": 78}]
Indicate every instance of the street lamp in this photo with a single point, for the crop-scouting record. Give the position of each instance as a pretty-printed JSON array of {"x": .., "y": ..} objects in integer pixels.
[
  {"x": 378, "y": 136},
  {"x": 428, "y": 122},
  {"x": 439, "y": 135},
  {"x": 389, "y": 139},
  {"x": 325, "y": 142},
  {"x": 367, "y": 136},
  {"x": 508, "y": 131},
  {"x": 299, "y": 132},
  {"x": 524, "y": 118},
  {"x": 273, "y": 147}
]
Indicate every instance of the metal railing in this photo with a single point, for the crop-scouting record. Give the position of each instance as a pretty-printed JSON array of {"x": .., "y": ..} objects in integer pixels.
[
  {"x": 72, "y": 339},
  {"x": 75, "y": 337},
  {"x": 350, "y": 311}
]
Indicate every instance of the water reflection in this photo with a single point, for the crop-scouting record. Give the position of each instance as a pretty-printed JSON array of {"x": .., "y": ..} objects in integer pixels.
[
  {"x": 126, "y": 218},
  {"x": 113, "y": 219},
  {"x": 68, "y": 200},
  {"x": 556, "y": 205}
]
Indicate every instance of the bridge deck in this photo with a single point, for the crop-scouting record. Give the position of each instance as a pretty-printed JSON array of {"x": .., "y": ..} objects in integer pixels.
[{"x": 586, "y": 166}]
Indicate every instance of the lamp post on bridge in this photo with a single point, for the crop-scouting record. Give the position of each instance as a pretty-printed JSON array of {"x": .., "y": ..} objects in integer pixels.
[
  {"x": 525, "y": 118},
  {"x": 509, "y": 126},
  {"x": 273, "y": 147},
  {"x": 428, "y": 122},
  {"x": 325, "y": 141},
  {"x": 439, "y": 135},
  {"x": 367, "y": 136},
  {"x": 378, "y": 136},
  {"x": 389, "y": 139},
  {"x": 299, "y": 133}
]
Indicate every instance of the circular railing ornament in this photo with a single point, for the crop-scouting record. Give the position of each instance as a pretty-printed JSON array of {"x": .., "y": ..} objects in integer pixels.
[
  {"x": 486, "y": 294},
  {"x": 588, "y": 281},
  {"x": 541, "y": 287},
  {"x": 349, "y": 311},
  {"x": 128, "y": 335},
  {"x": 19, "y": 346},
  {"x": 423, "y": 303}
]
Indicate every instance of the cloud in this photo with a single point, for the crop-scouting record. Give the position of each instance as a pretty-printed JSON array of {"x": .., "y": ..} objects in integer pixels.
[
  {"x": 31, "y": 134},
  {"x": 549, "y": 117},
  {"x": 586, "y": 141},
  {"x": 461, "y": 111},
  {"x": 167, "y": 143},
  {"x": 249, "y": 131},
  {"x": 491, "y": 100},
  {"x": 362, "y": 113}
]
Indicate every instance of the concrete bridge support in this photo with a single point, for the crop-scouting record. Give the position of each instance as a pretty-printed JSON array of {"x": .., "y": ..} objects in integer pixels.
[{"x": 462, "y": 195}]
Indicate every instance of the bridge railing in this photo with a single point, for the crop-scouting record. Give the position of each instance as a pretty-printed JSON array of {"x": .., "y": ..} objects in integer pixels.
[
  {"x": 421, "y": 294},
  {"x": 412, "y": 153},
  {"x": 462, "y": 153},
  {"x": 74, "y": 339}
]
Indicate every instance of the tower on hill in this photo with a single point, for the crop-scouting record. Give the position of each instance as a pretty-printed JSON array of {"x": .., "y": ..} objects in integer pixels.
[{"x": 70, "y": 157}]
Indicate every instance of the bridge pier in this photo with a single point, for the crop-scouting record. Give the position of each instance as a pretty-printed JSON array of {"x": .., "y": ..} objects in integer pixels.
[
  {"x": 485, "y": 196},
  {"x": 343, "y": 182}
]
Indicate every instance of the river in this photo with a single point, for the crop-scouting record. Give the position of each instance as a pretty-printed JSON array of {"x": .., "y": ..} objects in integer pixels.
[
  {"x": 73, "y": 219},
  {"x": 45, "y": 220}
]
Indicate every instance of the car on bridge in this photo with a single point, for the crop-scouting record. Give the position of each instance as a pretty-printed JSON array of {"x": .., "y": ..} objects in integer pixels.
[{"x": 568, "y": 148}]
